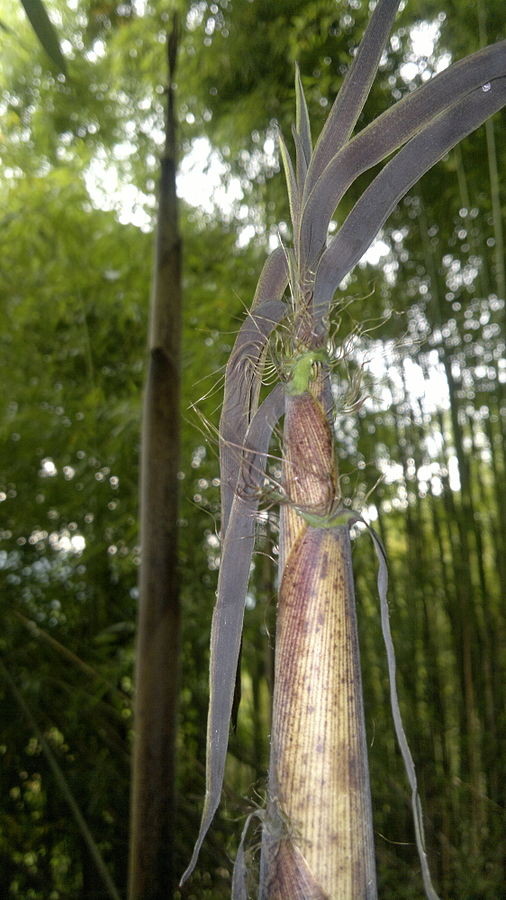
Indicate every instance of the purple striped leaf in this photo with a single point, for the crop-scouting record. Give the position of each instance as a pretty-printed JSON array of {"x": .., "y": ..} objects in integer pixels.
[
  {"x": 242, "y": 377},
  {"x": 387, "y": 133},
  {"x": 354, "y": 90},
  {"x": 380, "y": 198},
  {"x": 228, "y": 616},
  {"x": 302, "y": 132}
]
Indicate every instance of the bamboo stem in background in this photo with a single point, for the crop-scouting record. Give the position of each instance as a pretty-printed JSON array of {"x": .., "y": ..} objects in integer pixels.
[{"x": 152, "y": 875}]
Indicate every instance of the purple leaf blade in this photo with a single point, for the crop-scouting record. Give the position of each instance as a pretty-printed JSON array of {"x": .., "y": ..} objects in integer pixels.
[
  {"x": 387, "y": 133},
  {"x": 304, "y": 144},
  {"x": 354, "y": 90},
  {"x": 242, "y": 383},
  {"x": 380, "y": 198},
  {"x": 228, "y": 613},
  {"x": 291, "y": 182},
  {"x": 300, "y": 165},
  {"x": 273, "y": 278}
]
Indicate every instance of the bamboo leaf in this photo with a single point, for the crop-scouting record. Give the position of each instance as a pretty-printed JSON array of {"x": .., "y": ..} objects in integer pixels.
[
  {"x": 43, "y": 27},
  {"x": 242, "y": 386},
  {"x": 387, "y": 133},
  {"x": 302, "y": 126},
  {"x": 300, "y": 162},
  {"x": 228, "y": 613},
  {"x": 354, "y": 90},
  {"x": 291, "y": 184},
  {"x": 273, "y": 278},
  {"x": 395, "y": 179}
]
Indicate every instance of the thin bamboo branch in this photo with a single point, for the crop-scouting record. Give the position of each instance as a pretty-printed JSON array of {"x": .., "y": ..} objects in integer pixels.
[{"x": 63, "y": 785}]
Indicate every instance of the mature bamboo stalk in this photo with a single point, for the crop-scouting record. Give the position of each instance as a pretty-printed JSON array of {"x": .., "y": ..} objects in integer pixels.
[
  {"x": 318, "y": 839},
  {"x": 152, "y": 873}
]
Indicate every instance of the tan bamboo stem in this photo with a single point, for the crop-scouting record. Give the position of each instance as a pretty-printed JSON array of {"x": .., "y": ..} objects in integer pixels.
[{"x": 318, "y": 840}]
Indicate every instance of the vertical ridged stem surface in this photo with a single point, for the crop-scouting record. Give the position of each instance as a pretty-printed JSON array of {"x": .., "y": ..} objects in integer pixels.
[{"x": 318, "y": 840}]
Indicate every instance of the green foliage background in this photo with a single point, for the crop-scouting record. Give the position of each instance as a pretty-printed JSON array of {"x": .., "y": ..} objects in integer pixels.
[{"x": 74, "y": 289}]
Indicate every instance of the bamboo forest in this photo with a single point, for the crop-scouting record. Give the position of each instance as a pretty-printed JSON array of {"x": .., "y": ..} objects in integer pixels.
[{"x": 144, "y": 148}]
